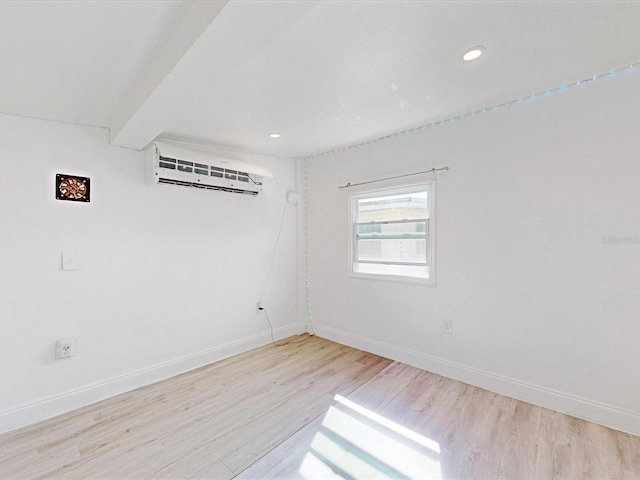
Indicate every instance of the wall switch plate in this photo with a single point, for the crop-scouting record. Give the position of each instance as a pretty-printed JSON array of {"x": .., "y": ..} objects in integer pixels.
[
  {"x": 70, "y": 261},
  {"x": 447, "y": 326},
  {"x": 66, "y": 347}
]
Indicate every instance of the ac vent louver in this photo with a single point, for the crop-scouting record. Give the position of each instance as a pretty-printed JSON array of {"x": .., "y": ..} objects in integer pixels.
[{"x": 174, "y": 165}]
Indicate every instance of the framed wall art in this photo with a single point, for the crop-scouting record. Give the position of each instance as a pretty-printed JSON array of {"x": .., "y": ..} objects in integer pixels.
[{"x": 73, "y": 188}]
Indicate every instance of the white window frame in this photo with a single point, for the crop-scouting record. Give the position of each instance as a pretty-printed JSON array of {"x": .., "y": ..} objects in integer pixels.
[{"x": 430, "y": 187}]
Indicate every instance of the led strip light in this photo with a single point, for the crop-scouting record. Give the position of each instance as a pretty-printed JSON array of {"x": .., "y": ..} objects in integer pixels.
[
  {"x": 306, "y": 254},
  {"x": 481, "y": 111}
]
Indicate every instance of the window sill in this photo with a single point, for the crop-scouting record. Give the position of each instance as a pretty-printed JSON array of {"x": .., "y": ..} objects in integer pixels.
[{"x": 393, "y": 278}]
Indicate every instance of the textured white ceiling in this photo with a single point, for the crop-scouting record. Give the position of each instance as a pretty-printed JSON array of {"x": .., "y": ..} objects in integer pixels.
[
  {"x": 70, "y": 60},
  {"x": 323, "y": 74}
]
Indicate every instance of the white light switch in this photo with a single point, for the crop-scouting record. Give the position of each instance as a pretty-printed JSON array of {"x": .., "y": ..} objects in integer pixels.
[{"x": 70, "y": 261}]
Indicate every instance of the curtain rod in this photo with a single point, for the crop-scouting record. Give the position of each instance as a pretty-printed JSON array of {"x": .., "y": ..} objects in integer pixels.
[{"x": 433, "y": 170}]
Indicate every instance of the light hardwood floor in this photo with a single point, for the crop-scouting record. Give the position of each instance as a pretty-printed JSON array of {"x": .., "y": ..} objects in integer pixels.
[{"x": 316, "y": 409}]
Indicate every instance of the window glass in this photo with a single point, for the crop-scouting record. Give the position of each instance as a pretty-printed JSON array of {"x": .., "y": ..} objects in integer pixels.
[{"x": 391, "y": 233}]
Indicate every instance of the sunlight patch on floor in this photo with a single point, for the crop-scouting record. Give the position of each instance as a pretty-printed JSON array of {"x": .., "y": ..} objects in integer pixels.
[
  {"x": 385, "y": 422},
  {"x": 356, "y": 443},
  {"x": 312, "y": 468}
]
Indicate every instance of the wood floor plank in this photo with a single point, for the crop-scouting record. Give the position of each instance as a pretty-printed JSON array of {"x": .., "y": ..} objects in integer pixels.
[
  {"x": 197, "y": 465},
  {"x": 315, "y": 409},
  {"x": 384, "y": 387},
  {"x": 284, "y": 461}
]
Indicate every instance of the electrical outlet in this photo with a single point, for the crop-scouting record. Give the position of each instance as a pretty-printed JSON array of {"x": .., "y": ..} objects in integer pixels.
[
  {"x": 447, "y": 326},
  {"x": 70, "y": 261},
  {"x": 66, "y": 347}
]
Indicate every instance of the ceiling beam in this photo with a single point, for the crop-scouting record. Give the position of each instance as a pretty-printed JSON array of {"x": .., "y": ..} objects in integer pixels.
[{"x": 191, "y": 21}]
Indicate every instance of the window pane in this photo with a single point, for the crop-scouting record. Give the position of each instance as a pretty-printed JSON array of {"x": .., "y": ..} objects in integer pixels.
[
  {"x": 407, "y": 206},
  {"x": 397, "y": 251},
  {"x": 392, "y": 230},
  {"x": 370, "y": 250},
  {"x": 369, "y": 228}
]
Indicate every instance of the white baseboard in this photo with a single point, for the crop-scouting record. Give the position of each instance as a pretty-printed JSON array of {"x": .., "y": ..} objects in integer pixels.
[
  {"x": 607, "y": 415},
  {"x": 25, "y": 415}
]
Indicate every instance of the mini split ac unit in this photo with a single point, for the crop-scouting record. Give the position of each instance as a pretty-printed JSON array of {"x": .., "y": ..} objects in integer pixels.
[{"x": 181, "y": 166}]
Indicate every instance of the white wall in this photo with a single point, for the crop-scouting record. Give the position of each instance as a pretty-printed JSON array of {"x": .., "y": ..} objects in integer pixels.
[
  {"x": 543, "y": 309},
  {"x": 169, "y": 278}
]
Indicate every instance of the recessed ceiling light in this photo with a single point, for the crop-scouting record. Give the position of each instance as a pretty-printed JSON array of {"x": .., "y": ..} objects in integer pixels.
[
  {"x": 274, "y": 135},
  {"x": 472, "y": 53}
]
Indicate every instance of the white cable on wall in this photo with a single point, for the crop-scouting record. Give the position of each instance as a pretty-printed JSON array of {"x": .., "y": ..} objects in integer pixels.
[
  {"x": 275, "y": 250},
  {"x": 290, "y": 198}
]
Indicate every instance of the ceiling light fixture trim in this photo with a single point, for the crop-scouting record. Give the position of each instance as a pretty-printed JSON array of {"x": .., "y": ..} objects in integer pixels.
[{"x": 473, "y": 53}]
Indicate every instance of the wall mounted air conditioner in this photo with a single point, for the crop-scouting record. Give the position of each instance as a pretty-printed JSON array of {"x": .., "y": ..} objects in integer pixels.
[{"x": 195, "y": 167}]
